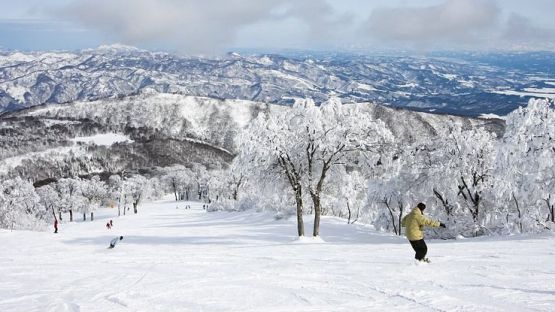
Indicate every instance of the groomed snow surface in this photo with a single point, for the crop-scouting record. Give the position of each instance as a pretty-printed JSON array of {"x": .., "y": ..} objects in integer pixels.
[{"x": 173, "y": 259}]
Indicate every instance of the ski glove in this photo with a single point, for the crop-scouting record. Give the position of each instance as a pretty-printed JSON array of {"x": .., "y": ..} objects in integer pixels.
[{"x": 441, "y": 224}]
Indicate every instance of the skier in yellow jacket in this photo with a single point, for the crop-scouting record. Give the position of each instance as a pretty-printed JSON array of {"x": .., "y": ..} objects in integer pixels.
[{"x": 414, "y": 223}]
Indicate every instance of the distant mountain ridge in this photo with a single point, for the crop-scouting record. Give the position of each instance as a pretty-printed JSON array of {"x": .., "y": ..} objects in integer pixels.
[{"x": 443, "y": 85}]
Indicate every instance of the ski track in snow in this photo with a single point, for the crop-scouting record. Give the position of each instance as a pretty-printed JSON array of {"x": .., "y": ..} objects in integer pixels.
[{"x": 188, "y": 260}]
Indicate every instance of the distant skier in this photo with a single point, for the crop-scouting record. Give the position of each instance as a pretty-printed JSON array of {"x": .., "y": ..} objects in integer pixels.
[
  {"x": 55, "y": 225},
  {"x": 114, "y": 241},
  {"x": 111, "y": 223},
  {"x": 415, "y": 222},
  {"x": 108, "y": 225}
]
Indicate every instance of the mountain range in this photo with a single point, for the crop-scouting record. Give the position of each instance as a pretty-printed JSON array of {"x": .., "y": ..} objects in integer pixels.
[{"x": 460, "y": 84}]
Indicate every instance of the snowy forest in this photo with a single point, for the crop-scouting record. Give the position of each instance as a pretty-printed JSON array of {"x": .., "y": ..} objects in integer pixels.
[{"x": 334, "y": 159}]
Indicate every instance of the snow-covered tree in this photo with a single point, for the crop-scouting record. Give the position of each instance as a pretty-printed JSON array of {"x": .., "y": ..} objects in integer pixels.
[
  {"x": 179, "y": 180},
  {"x": 71, "y": 198},
  {"x": 156, "y": 188},
  {"x": 349, "y": 194},
  {"x": 271, "y": 151},
  {"x": 226, "y": 183},
  {"x": 115, "y": 194},
  {"x": 394, "y": 182},
  {"x": 20, "y": 206},
  {"x": 460, "y": 175},
  {"x": 200, "y": 177},
  {"x": 137, "y": 188},
  {"x": 50, "y": 199},
  {"x": 526, "y": 166},
  {"x": 94, "y": 190},
  {"x": 218, "y": 184},
  {"x": 303, "y": 143}
]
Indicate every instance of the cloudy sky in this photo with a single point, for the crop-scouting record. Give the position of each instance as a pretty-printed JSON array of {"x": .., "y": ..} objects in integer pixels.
[{"x": 216, "y": 26}]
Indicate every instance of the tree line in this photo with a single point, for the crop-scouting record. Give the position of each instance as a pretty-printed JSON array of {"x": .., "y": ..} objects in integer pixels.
[
  {"x": 337, "y": 160},
  {"x": 23, "y": 206}
]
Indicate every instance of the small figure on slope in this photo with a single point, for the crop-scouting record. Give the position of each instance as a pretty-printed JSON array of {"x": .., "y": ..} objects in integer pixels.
[
  {"x": 114, "y": 241},
  {"x": 415, "y": 222}
]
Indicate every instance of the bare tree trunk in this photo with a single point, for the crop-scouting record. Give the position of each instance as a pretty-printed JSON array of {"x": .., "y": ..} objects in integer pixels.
[
  {"x": 135, "y": 204},
  {"x": 317, "y": 214},
  {"x": 84, "y": 217},
  {"x": 349, "y": 210},
  {"x": 300, "y": 221},
  {"x": 553, "y": 213},
  {"x": 351, "y": 216},
  {"x": 236, "y": 187},
  {"x": 60, "y": 215},
  {"x": 550, "y": 209},
  {"x": 174, "y": 186},
  {"x": 294, "y": 180},
  {"x": 92, "y": 216},
  {"x": 448, "y": 208},
  {"x": 315, "y": 192},
  {"x": 386, "y": 201},
  {"x": 474, "y": 198},
  {"x": 519, "y": 212},
  {"x": 70, "y": 215}
]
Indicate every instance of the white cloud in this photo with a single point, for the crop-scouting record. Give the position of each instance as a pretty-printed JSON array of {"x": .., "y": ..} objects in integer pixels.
[
  {"x": 452, "y": 22},
  {"x": 195, "y": 26},
  {"x": 214, "y": 26},
  {"x": 520, "y": 28}
]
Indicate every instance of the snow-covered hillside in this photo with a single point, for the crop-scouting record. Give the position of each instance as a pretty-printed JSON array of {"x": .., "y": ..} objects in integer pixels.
[
  {"x": 446, "y": 85},
  {"x": 163, "y": 129},
  {"x": 189, "y": 260},
  {"x": 173, "y": 114}
]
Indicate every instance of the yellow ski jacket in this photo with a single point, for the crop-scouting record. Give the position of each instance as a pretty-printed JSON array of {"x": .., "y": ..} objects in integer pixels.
[{"x": 415, "y": 222}]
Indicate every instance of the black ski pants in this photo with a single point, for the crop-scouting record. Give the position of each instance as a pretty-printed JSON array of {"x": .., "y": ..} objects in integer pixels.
[{"x": 420, "y": 247}]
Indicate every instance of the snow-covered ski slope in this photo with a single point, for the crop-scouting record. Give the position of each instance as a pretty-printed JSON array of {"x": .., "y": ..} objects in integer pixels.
[{"x": 188, "y": 260}]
